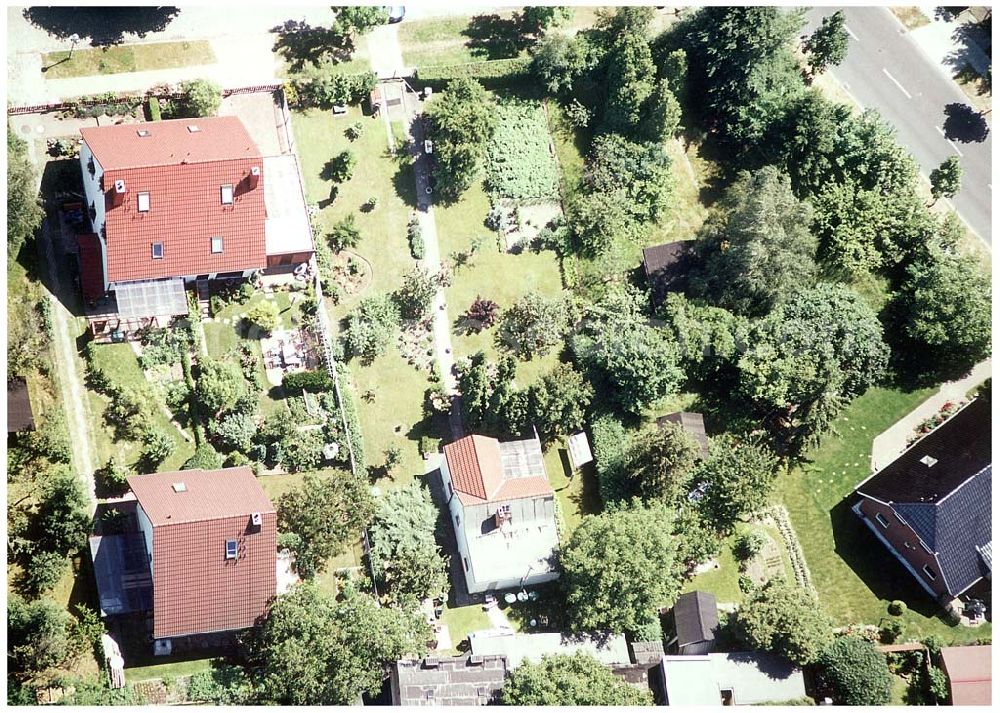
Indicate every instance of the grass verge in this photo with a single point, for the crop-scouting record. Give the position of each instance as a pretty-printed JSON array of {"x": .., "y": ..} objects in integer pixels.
[{"x": 116, "y": 59}]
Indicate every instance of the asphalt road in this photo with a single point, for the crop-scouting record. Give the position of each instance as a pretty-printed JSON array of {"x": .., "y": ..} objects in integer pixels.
[{"x": 887, "y": 71}]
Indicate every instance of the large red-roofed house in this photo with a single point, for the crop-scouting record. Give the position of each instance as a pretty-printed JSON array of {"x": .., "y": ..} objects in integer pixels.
[
  {"x": 503, "y": 512},
  {"x": 211, "y": 537},
  {"x": 175, "y": 201}
]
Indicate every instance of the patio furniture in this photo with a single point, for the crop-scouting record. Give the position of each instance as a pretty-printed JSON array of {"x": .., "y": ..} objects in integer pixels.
[
  {"x": 522, "y": 596},
  {"x": 510, "y": 597}
]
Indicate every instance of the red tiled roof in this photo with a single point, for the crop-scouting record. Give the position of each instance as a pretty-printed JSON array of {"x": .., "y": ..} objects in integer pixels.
[
  {"x": 195, "y": 588},
  {"x": 970, "y": 674},
  {"x": 477, "y": 473},
  {"x": 91, "y": 269},
  {"x": 183, "y": 172}
]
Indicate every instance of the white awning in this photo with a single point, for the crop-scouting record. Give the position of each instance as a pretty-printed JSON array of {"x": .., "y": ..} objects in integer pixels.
[
  {"x": 286, "y": 228},
  {"x": 151, "y": 298}
]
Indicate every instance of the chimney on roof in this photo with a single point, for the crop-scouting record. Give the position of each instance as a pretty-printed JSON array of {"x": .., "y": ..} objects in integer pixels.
[
  {"x": 254, "y": 177},
  {"x": 118, "y": 196},
  {"x": 929, "y": 461}
]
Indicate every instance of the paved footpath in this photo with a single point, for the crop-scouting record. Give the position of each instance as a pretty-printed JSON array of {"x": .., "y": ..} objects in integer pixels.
[{"x": 891, "y": 442}]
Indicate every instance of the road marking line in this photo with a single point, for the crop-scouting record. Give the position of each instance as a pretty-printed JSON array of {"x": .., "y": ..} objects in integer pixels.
[
  {"x": 851, "y": 33},
  {"x": 896, "y": 82},
  {"x": 954, "y": 147},
  {"x": 940, "y": 130}
]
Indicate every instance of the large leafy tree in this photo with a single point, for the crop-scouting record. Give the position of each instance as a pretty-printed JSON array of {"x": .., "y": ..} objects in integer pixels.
[
  {"x": 408, "y": 563},
  {"x": 533, "y": 325},
  {"x": 359, "y": 19},
  {"x": 631, "y": 81},
  {"x": 946, "y": 302},
  {"x": 619, "y": 567},
  {"x": 785, "y": 620},
  {"x": 638, "y": 173},
  {"x": 857, "y": 672},
  {"x": 416, "y": 294},
  {"x": 741, "y": 64},
  {"x": 635, "y": 361},
  {"x": 462, "y": 121},
  {"x": 559, "y": 400},
  {"x": 604, "y": 225},
  {"x": 560, "y": 62},
  {"x": 823, "y": 339},
  {"x": 946, "y": 179},
  {"x": 311, "y": 649},
  {"x": 62, "y": 520},
  {"x": 660, "y": 462},
  {"x": 327, "y": 514},
  {"x": 809, "y": 138},
  {"x": 39, "y": 634},
  {"x": 24, "y": 212},
  {"x": 538, "y": 19},
  {"x": 827, "y": 45},
  {"x": 570, "y": 680},
  {"x": 491, "y": 403},
  {"x": 708, "y": 338},
  {"x": 372, "y": 327},
  {"x": 757, "y": 245},
  {"x": 740, "y": 477},
  {"x": 220, "y": 385}
]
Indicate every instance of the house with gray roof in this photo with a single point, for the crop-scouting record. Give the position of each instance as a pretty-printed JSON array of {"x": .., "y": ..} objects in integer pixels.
[
  {"x": 931, "y": 506},
  {"x": 468, "y": 680},
  {"x": 607, "y": 648},
  {"x": 735, "y": 679}
]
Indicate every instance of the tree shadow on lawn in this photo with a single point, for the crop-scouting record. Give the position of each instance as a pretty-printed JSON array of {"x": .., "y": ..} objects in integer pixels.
[
  {"x": 403, "y": 182},
  {"x": 301, "y": 43},
  {"x": 881, "y": 573},
  {"x": 103, "y": 25},
  {"x": 496, "y": 37}
]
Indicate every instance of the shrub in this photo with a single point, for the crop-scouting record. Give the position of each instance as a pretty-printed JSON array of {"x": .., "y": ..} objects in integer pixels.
[
  {"x": 897, "y": 607},
  {"x": 205, "y": 458},
  {"x": 113, "y": 476},
  {"x": 201, "y": 97},
  {"x": 372, "y": 327},
  {"x": 414, "y": 234},
  {"x": 429, "y": 445},
  {"x": 303, "y": 450},
  {"x": 890, "y": 631},
  {"x": 157, "y": 447},
  {"x": 44, "y": 572},
  {"x": 748, "y": 545},
  {"x": 264, "y": 315},
  {"x": 353, "y": 132},
  {"x": 746, "y": 584},
  {"x": 154, "y": 109},
  {"x": 857, "y": 672},
  {"x": 315, "y": 380},
  {"x": 345, "y": 234},
  {"x": 340, "y": 168},
  {"x": 485, "y": 312},
  {"x": 325, "y": 86},
  {"x": 486, "y": 69},
  {"x": 937, "y": 684},
  {"x": 416, "y": 294}
]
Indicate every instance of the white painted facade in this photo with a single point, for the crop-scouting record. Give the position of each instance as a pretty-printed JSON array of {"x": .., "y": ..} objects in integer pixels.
[
  {"x": 95, "y": 199},
  {"x": 494, "y": 559},
  {"x": 146, "y": 528}
]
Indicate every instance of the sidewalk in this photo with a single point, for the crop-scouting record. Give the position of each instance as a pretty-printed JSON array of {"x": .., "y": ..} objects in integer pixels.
[
  {"x": 891, "y": 442},
  {"x": 941, "y": 41}
]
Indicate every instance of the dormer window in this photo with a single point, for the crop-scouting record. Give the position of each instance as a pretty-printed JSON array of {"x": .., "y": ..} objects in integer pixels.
[
  {"x": 231, "y": 549},
  {"x": 227, "y": 194},
  {"x": 216, "y": 245},
  {"x": 143, "y": 202},
  {"x": 157, "y": 251},
  {"x": 193, "y": 128},
  {"x": 143, "y": 133}
]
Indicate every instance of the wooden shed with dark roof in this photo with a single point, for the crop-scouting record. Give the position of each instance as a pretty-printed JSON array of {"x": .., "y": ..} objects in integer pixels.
[
  {"x": 696, "y": 623},
  {"x": 19, "y": 414},
  {"x": 666, "y": 267},
  {"x": 692, "y": 423}
]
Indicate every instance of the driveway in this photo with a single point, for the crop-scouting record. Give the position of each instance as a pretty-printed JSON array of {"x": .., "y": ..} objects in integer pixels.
[{"x": 889, "y": 71}]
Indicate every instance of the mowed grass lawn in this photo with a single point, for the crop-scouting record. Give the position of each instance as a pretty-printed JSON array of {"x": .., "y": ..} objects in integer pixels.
[
  {"x": 854, "y": 574},
  {"x": 500, "y": 276},
  {"x": 120, "y": 361},
  {"x": 391, "y": 418},
  {"x": 116, "y": 59}
]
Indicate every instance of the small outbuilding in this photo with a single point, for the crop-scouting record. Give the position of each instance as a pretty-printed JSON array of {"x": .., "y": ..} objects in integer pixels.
[
  {"x": 19, "y": 414},
  {"x": 692, "y": 423},
  {"x": 468, "y": 680},
  {"x": 667, "y": 267},
  {"x": 737, "y": 679},
  {"x": 696, "y": 623}
]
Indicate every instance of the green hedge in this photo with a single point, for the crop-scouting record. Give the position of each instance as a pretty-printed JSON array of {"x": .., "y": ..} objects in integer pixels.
[
  {"x": 315, "y": 381},
  {"x": 154, "y": 109},
  {"x": 351, "y": 415},
  {"x": 487, "y": 69}
]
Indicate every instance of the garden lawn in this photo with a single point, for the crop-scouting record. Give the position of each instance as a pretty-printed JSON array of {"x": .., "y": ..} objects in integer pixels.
[
  {"x": 500, "y": 276},
  {"x": 854, "y": 574},
  {"x": 390, "y": 419},
  {"x": 116, "y": 59},
  {"x": 168, "y": 670},
  {"x": 577, "y": 495},
  {"x": 120, "y": 361},
  {"x": 463, "y": 620}
]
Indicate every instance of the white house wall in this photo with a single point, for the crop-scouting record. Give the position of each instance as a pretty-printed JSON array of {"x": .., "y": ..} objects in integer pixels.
[
  {"x": 146, "y": 528},
  {"x": 456, "y": 509},
  {"x": 95, "y": 195}
]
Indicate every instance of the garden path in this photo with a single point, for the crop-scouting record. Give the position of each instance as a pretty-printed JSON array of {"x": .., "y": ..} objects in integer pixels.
[{"x": 891, "y": 442}]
